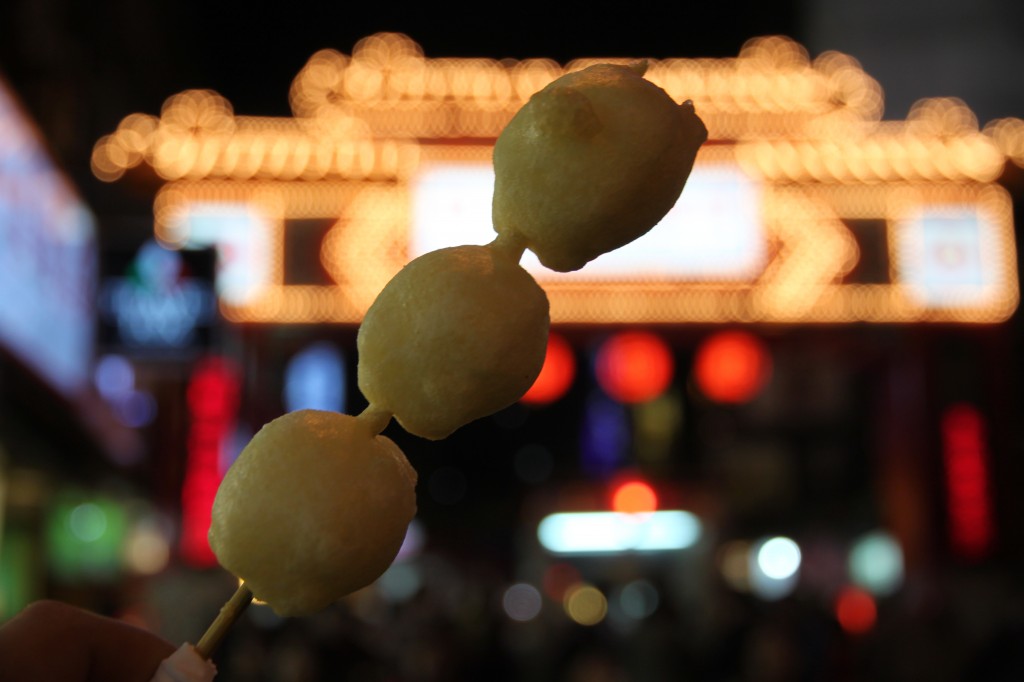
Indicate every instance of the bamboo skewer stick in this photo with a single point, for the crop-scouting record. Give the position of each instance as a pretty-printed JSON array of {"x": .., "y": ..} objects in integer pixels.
[{"x": 229, "y": 613}]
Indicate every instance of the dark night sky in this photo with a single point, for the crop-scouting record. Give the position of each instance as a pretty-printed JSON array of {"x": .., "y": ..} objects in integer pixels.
[{"x": 81, "y": 67}]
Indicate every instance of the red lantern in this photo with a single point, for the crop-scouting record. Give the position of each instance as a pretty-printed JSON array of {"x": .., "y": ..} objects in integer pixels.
[
  {"x": 732, "y": 367},
  {"x": 634, "y": 367},
  {"x": 555, "y": 376}
]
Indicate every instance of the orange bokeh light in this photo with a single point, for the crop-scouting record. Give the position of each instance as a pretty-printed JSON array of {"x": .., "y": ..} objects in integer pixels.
[
  {"x": 855, "y": 611},
  {"x": 732, "y": 367},
  {"x": 555, "y": 376},
  {"x": 634, "y": 367},
  {"x": 634, "y": 497}
]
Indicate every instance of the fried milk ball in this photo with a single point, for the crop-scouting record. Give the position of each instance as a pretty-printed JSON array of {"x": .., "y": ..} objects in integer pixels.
[
  {"x": 457, "y": 334},
  {"x": 591, "y": 162},
  {"x": 315, "y": 507}
]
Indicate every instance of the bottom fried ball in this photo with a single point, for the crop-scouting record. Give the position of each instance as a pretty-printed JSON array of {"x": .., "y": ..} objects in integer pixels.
[{"x": 314, "y": 508}]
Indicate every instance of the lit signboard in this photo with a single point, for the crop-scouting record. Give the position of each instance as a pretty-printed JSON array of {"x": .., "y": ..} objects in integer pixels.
[
  {"x": 803, "y": 207},
  {"x": 241, "y": 237},
  {"x": 615, "y": 532},
  {"x": 160, "y": 300},
  {"x": 950, "y": 254},
  {"x": 452, "y": 206},
  {"x": 47, "y": 263}
]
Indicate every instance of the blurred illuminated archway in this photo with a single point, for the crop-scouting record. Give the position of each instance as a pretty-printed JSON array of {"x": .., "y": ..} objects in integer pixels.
[{"x": 803, "y": 207}]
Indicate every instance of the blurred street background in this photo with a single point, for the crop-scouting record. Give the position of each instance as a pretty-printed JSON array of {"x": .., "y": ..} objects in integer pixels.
[{"x": 777, "y": 438}]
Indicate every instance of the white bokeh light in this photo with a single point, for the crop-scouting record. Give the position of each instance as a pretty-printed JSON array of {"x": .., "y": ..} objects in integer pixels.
[
  {"x": 614, "y": 532},
  {"x": 779, "y": 558},
  {"x": 876, "y": 563},
  {"x": 522, "y": 602},
  {"x": 774, "y": 567}
]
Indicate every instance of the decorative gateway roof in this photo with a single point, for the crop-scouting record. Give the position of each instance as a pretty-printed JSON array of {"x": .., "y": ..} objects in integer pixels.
[{"x": 804, "y": 206}]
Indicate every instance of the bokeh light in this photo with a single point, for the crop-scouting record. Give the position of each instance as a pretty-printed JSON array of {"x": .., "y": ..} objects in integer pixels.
[
  {"x": 314, "y": 379},
  {"x": 585, "y": 604},
  {"x": 556, "y": 375},
  {"x": 774, "y": 567},
  {"x": 85, "y": 537},
  {"x": 876, "y": 563},
  {"x": 969, "y": 500},
  {"x": 114, "y": 376},
  {"x": 605, "y": 437},
  {"x": 734, "y": 563},
  {"x": 212, "y": 397},
  {"x": 522, "y": 602},
  {"x": 413, "y": 542},
  {"x": 732, "y": 367},
  {"x": 855, "y": 610},
  {"x": 147, "y": 548},
  {"x": 87, "y": 522},
  {"x": 614, "y": 532},
  {"x": 634, "y": 497},
  {"x": 657, "y": 425},
  {"x": 135, "y": 409},
  {"x": 779, "y": 558},
  {"x": 639, "y": 599},
  {"x": 634, "y": 367}
]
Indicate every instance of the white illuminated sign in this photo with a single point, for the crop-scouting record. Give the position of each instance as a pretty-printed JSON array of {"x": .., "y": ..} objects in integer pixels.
[
  {"x": 799, "y": 210},
  {"x": 713, "y": 232},
  {"x": 948, "y": 256},
  {"x": 242, "y": 237},
  {"x": 615, "y": 532},
  {"x": 157, "y": 306}
]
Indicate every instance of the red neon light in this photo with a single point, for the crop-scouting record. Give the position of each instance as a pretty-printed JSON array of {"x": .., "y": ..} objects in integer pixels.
[
  {"x": 731, "y": 367},
  {"x": 555, "y": 376},
  {"x": 971, "y": 523},
  {"x": 634, "y": 367},
  {"x": 212, "y": 399},
  {"x": 634, "y": 497}
]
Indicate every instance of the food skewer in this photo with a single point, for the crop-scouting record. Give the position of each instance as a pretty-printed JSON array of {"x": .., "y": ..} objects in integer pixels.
[
  {"x": 592, "y": 162},
  {"x": 218, "y": 629}
]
